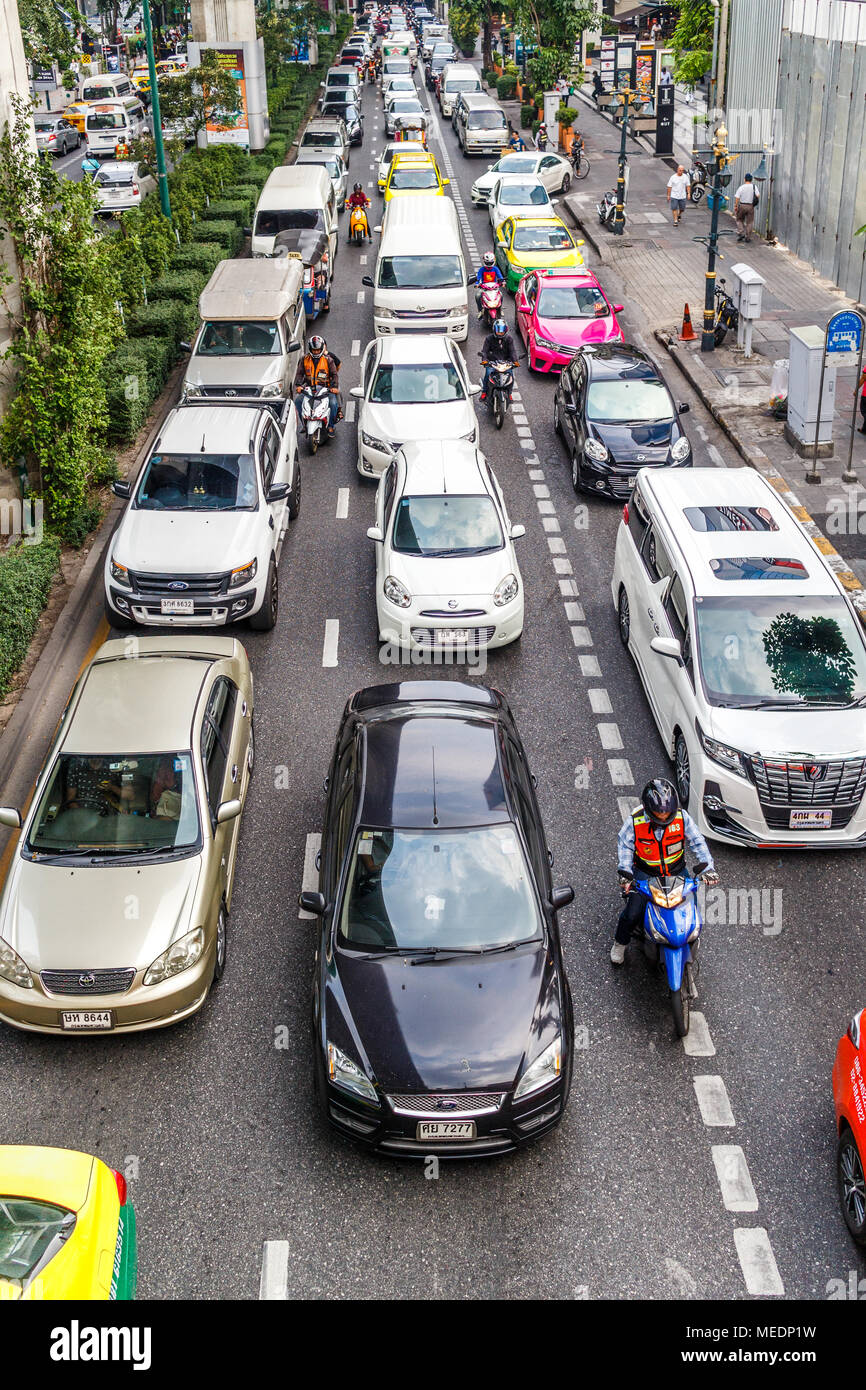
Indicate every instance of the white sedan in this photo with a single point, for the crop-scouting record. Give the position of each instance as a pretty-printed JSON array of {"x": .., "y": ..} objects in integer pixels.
[
  {"x": 447, "y": 576},
  {"x": 400, "y": 104},
  {"x": 553, "y": 170},
  {"x": 412, "y": 387},
  {"x": 119, "y": 185},
  {"x": 518, "y": 195},
  {"x": 397, "y": 83}
]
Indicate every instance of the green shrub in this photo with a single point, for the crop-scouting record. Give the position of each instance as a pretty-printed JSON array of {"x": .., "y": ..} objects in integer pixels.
[
  {"x": 241, "y": 194},
  {"x": 252, "y": 178},
  {"x": 179, "y": 284},
  {"x": 278, "y": 143},
  {"x": 226, "y": 210},
  {"x": 566, "y": 115},
  {"x": 78, "y": 525},
  {"x": 167, "y": 318},
  {"x": 506, "y": 87},
  {"x": 128, "y": 392},
  {"x": 198, "y": 255},
  {"x": 528, "y": 114},
  {"x": 227, "y": 234},
  {"x": 26, "y": 575}
]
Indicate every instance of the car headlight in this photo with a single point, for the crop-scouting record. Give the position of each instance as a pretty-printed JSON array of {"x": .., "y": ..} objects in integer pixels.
[
  {"x": 546, "y": 1068},
  {"x": 13, "y": 968},
  {"x": 396, "y": 593},
  {"x": 506, "y": 590},
  {"x": 722, "y": 753},
  {"x": 680, "y": 450},
  {"x": 180, "y": 956},
  {"x": 594, "y": 449},
  {"x": 384, "y": 313},
  {"x": 243, "y": 574},
  {"x": 346, "y": 1074},
  {"x": 372, "y": 441},
  {"x": 274, "y": 388},
  {"x": 458, "y": 312},
  {"x": 545, "y": 342},
  {"x": 120, "y": 573}
]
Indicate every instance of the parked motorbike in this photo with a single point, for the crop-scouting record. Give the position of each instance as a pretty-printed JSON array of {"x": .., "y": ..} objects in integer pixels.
[
  {"x": 671, "y": 931},
  {"x": 727, "y": 317},
  {"x": 699, "y": 177},
  {"x": 359, "y": 227},
  {"x": 491, "y": 303},
  {"x": 499, "y": 388},
  {"x": 606, "y": 209},
  {"x": 315, "y": 410}
]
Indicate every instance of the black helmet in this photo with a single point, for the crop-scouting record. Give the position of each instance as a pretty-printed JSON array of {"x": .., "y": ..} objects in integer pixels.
[
  {"x": 660, "y": 801},
  {"x": 316, "y": 345},
  {"x": 359, "y": 188}
]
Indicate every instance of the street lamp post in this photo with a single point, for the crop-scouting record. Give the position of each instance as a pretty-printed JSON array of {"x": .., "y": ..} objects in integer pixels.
[
  {"x": 626, "y": 96},
  {"x": 161, "y": 171},
  {"x": 708, "y": 340}
]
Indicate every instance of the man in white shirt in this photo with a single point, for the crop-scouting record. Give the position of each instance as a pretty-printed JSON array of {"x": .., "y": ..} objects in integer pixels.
[
  {"x": 745, "y": 202},
  {"x": 678, "y": 191}
]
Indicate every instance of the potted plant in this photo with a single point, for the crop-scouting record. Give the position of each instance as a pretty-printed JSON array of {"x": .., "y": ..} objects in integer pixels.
[{"x": 566, "y": 116}]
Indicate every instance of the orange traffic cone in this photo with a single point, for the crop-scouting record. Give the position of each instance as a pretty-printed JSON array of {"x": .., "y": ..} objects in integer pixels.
[{"x": 687, "y": 333}]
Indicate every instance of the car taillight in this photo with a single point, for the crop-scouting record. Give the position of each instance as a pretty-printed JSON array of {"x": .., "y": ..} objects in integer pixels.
[
  {"x": 625, "y": 513},
  {"x": 121, "y": 1187},
  {"x": 135, "y": 188},
  {"x": 51, "y": 137}
]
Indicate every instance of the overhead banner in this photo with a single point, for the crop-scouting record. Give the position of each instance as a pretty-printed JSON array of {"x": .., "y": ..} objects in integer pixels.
[{"x": 230, "y": 127}]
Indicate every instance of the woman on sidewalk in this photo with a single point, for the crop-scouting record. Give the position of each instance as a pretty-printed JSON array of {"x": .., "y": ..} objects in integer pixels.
[{"x": 861, "y": 387}]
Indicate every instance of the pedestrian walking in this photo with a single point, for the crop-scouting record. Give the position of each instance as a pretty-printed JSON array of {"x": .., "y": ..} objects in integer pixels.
[
  {"x": 861, "y": 387},
  {"x": 597, "y": 87},
  {"x": 678, "y": 192},
  {"x": 745, "y": 202}
]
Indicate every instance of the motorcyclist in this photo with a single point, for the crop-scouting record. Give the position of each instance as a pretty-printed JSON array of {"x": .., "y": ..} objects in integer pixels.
[
  {"x": 358, "y": 199},
  {"x": 652, "y": 844},
  {"x": 498, "y": 346},
  {"x": 488, "y": 273},
  {"x": 318, "y": 367}
]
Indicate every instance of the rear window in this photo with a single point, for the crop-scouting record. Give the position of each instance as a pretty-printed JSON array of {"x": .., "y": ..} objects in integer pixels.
[
  {"x": 730, "y": 518},
  {"x": 106, "y": 120},
  {"x": 30, "y": 1231},
  {"x": 273, "y": 221},
  {"x": 757, "y": 567}
]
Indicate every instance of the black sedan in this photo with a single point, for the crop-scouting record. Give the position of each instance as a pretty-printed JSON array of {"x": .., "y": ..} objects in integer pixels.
[
  {"x": 615, "y": 415},
  {"x": 442, "y": 1015},
  {"x": 350, "y": 113}
]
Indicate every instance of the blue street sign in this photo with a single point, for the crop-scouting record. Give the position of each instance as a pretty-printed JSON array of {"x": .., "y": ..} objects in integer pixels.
[{"x": 843, "y": 332}]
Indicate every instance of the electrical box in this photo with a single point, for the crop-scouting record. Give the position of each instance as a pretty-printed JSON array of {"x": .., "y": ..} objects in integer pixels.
[
  {"x": 747, "y": 290},
  {"x": 806, "y": 358}
]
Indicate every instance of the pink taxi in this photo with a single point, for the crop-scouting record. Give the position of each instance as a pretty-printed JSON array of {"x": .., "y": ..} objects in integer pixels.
[{"x": 559, "y": 312}]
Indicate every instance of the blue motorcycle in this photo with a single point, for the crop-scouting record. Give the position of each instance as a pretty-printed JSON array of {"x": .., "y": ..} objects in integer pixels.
[{"x": 671, "y": 932}]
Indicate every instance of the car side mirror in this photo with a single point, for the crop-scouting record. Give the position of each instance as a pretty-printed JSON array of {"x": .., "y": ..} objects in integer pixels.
[
  {"x": 10, "y": 816},
  {"x": 228, "y": 810},
  {"x": 618, "y": 308},
  {"x": 562, "y": 897},
  {"x": 581, "y": 243},
  {"x": 474, "y": 388},
  {"x": 666, "y": 646},
  {"x": 312, "y": 902},
  {"x": 374, "y": 533},
  {"x": 683, "y": 407},
  {"x": 121, "y": 489},
  {"x": 294, "y": 345},
  {"x": 517, "y": 531},
  {"x": 356, "y": 391},
  {"x": 444, "y": 181},
  {"x": 186, "y": 347},
  {"x": 570, "y": 407},
  {"x": 248, "y": 231},
  {"x": 367, "y": 280},
  {"x": 278, "y": 492}
]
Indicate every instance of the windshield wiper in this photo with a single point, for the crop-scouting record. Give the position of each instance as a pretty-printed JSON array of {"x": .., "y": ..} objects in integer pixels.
[
  {"x": 424, "y": 955},
  {"x": 509, "y": 946}
]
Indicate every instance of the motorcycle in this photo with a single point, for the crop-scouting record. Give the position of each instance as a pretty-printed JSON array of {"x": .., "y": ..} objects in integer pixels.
[
  {"x": 727, "y": 317},
  {"x": 606, "y": 209},
  {"x": 315, "y": 410},
  {"x": 359, "y": 227},
  {"x": 698, "y": 178},
  {"x": 499, "y": 388},
  {"x": 491, "y": 303},
  {"x": 671, "y": 932}
]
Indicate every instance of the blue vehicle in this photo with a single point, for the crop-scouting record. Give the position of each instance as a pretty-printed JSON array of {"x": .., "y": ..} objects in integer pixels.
[
  {"x": 671, "y": 932},
  {"x": 311, "y": 247}
]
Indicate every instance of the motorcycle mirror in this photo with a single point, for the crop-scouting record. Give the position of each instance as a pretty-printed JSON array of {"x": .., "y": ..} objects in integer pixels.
[
  {"x": 562, "y": 897},
  {"x": 374, "y": 533},
  {"x": 517, "y": 531},
  {"x": 666, "y": 646},
  {"x": 683, "y": 407},
  {"x": 356, "y": 391}
]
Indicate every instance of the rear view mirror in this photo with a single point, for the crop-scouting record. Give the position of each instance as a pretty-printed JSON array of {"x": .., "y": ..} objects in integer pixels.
[
  {"x": 474, "y": 388},
  {"x": 294, "y": 346},
  {"x": 228, "y": 810},
  {"x": 618, "y": 308},
  {"x": 666, "y": 646},
  {"x": 121, "y": 489},
  {"x": 683, "y": 407},
  {"x": 248, "y": 231},
  {"x": 312, "y": 902},
  {"x": 517, "y": 531},
  {"x": 278, "y": 492},
  {"x": 374, "y": 533},
  {"x": 367, "y": 280},
  {"x": 186, "y": 347},
  {"x": 10, "y": 816},
  {"x": 562, "y": 897},
  {"x": 356, "y": 391}
]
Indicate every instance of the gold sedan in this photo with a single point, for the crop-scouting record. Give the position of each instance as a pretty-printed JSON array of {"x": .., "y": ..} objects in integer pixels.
[{"x": 114, "y": 915}]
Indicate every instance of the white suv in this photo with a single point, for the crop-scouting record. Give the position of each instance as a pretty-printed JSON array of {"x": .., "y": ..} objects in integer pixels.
[
  {"x": 199, "y": 543},
  {"x": 751, "y": 655}
]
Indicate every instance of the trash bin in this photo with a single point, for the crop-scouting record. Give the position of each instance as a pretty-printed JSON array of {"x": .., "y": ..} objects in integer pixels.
[{"x": 711, "y": 200}]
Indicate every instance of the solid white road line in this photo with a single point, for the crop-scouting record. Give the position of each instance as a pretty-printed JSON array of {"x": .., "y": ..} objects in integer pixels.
[
  {"x": 310, "y": 881},
  {"x": 697, "y": 1042},
  {"x": 331, "y": 643},
  {"x": 757, "y": 1260},
  {"x": 342, "y": 503},
  {"x": 599, "y": 699},
  {"x": 735, "y": 1181},
  {"x": 610, "y": 736},
  {"x": 620, "y": 772},
  {"x": 713, "y": 1101},
  {"x": 275, "y": 1271}
]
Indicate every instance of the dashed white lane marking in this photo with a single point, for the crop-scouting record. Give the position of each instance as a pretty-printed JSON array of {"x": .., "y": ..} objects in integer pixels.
[
  {"x": 541, "y": 490},
  {"x": 526, "y": 444},
  {"x": 545, "y": 506},
  {"x": 567, "y": 588},
  {"x": 713, "y": 1102},
  {"x": 310, "y": 881},
  {"x": 361, "y": 296},
  {"x": 362, "y": 260},
  {"x": 349, "y": 411},
  {"x": 575, "y": 614},
  {"x": 355, "y": 348},
  {"x": 581, "y": 636},
  {"x": 536, "y": 475},
  {"x": 610, "y": 736},
  {"x": 715, "y": 456},
  {"x": 331, "y": 642},
  {"x": 369, "y": 183},
  {"x": 556, "y": 546},
  {"x": 551, "y": 524},
  {"x": 275, "y": 1271},
  {"x": 589, "y": 666},
  {"x": 735, "y": 1181},
  {"x": 599, "y": 699},
  {"x": 697, "y": 1042},
  {"x": 757, "y": 1260},
  {"x": 626, "y": 805},
  {"x": 561, "y": 565},
  {"x": 342, "y": 503},
  {"x": 620, "y": 772}
]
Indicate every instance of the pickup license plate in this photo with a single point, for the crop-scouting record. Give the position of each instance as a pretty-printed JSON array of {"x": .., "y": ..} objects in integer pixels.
[
  {"x": 445, "y": 1129},
  {"x": 811, "y": 820},
  {"x": 174, "y": 607},
  {"x": 448, "y": 636},
  {"x": 86, "y": 1019}
]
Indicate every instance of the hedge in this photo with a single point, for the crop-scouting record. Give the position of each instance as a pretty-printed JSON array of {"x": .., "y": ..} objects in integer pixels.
[
  {"x": 241, "y": 193},
  {"x": 506, "y": 87},
  {"x": 252, "y": 178},
  {"x": 168, "y": 318},
  {"x": 228, "y": 234},
  {"x": 226, "y": 210},
  {"x": 179, "y": 284},
  {"x": 528, "y": 114},
  {"x": 127, "y": 402},
  {"x": 199, "y": 255},
  {"x": 26, "y": 576},
  {"x": 158, "y": 355}
]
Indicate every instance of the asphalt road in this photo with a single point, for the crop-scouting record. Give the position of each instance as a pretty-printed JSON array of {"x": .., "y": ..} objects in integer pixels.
[{"x": 635, "y": 1195}]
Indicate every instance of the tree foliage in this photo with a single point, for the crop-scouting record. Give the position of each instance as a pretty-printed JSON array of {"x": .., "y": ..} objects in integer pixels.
[
  {"x": 553, "y": 23},
  {"x": 692, "y": 41},
  {"x": 46, "y": 37},
  {"x": 188, "y": 99},
  {"x": 464, "y": 21}
]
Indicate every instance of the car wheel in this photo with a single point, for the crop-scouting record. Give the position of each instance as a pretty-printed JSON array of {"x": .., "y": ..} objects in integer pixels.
[
  {"x": 566, "y": 184},
  {"x": 624, "y": 615},
  {"x": 852, "y": 1186},
  {"x": 294, "y": 503},
  {"x": 265, "y": 619},
  {"x": 575, "y": 472},
  {"x": 219, "y": 964},
  {"x": 682, "y": 770}
]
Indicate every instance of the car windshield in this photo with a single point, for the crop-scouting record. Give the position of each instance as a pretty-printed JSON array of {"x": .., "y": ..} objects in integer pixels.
[
  {"x": 780, "y": 649},
  {"x": 407, "y": 177},
  {"x": 404, "y": 106},
  {"x": 107, "y": 805},
  {"x": 420, "y": 272},
  {"x": 542, "y": 239},
  {"x": 447, "y": 525},
  {"x": 516, "y": 164},
  {"x": 417, "y": 384},
  {"x": 571, "y": 302},
  {"x": 221, "y": 339},
  {"x": 29, "y": 1230},
  {"x": 397, "y": 67},
  {"x": 522, "y": 194},
  {"x": 486, "y": 120},
  {"x": 270, "y": 222},
  {"x": 462, "y": 84},
  {"x": 619, "y": 402},
  {"x": 345, "y": 111},
  {"x": 106, "y": 120},
  {"x": 331, "y": 138},
  {"x": 462, "y": 889},
  {"x": 198, "y": 483}
]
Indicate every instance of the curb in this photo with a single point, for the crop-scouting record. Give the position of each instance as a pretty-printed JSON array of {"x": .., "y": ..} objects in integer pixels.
[
  {"x": 700, "y": 379},
  {"x": 590, "y": 235}
]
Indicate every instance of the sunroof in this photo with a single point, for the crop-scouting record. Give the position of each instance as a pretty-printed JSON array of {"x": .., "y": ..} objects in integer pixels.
[
  {"x": 757, "y": 567},
  {"x": 730, "y": 518}
]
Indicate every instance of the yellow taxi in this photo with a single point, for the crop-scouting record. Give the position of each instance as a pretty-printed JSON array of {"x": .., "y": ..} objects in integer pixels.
[
  {"x": 141, "y": 81},
  {"x": 521, "y": 244},
  {"x": 76, "y": 114},
  {"x": 413, "y": 173},
  {"x": 67, "y": 1229},
  {"x": 170, "y": 66}
]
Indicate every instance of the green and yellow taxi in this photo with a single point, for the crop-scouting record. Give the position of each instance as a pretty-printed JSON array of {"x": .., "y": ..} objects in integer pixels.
[
  {"x": 521, "y": 244},
  {"x": 413, "y": 173}
]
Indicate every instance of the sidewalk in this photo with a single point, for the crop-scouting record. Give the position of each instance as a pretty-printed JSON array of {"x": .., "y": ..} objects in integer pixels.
[{"x": 662, "y": 267}]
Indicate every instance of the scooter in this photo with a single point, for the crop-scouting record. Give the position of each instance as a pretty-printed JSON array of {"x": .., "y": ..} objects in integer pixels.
[
  {"x": 606, "y": 209},
  {"x": 500, "y": 385},
  {"x": 727, "y": 317},
  {"x": 359, "y": 227},
  {"x": 315, "y": 411},
  {"x": 671, "y": 931},
  {"x": 698, "y": 178},
  {"x": 491, "y": 303}
]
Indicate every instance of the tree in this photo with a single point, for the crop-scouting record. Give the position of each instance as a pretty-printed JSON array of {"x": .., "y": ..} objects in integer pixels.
[
  {"x": 46, "y": 37},
  {"x": 282, "y": 29},
  {"x": 188, "y": 100},
  {"x": 464, "y": 26},
  {"x": 692, "y": 41},
  {"x": 553, "y": 23}
]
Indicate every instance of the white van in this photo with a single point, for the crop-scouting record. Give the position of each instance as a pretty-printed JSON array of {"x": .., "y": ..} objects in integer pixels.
[
  {"x": 420, "y": 280},
  {"x": 480, "y": 124},
  {"x": 109, "y": 86},
  {"x": 295, "y": 197},
  {"x": 110, "y": 123},
  {"x": 457, "y": 78}
]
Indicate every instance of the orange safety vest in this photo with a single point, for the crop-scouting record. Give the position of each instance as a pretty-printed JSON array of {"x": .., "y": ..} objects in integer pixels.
[
  {"x": 316, "y": 368},
  {"x": 665, "y": 856}
]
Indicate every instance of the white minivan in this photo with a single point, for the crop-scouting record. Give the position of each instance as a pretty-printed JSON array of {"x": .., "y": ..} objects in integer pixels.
[
  {"x": 296, "y": 197},
  {"x": 420, "y": 279},
  {"x": 457, "y": 78},
  {"x": 111, "y": 123},
  {"x": 108, "y": 86}
]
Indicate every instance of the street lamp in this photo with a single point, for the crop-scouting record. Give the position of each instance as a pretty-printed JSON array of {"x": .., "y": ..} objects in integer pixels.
[
  {"x": 623, "y": 99},
  {"x": 720, "y": 179}
]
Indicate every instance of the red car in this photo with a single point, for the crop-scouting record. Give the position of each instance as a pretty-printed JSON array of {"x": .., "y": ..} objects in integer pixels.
[
  {"x": 849, "y": 1097},
  {"x": 559, "y": 312}
]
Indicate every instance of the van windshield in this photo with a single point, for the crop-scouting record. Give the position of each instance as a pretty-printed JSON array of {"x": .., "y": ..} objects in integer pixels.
[
  {"x": 99, "y": 91},
  {"x": 331, "y": 138},
  {"x": 272, "y": 221},
  {"x": 486, "y": 120},
  {"x": 420, "y": 272},
  {"x": 462, "y": 84},
  {"x": 222, "y": 339}
]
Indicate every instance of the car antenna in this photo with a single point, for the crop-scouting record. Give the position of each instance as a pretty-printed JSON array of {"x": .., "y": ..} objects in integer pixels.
[
  {"x": 202, "y": 444},
  {"x": 435, "y": 811}
]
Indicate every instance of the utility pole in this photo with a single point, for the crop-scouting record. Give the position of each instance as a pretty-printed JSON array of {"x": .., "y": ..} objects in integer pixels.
[
  {"x": 720, "y": 179},
  {"x": 626, "y": 96},
  {"x": 161, "y": 171}
]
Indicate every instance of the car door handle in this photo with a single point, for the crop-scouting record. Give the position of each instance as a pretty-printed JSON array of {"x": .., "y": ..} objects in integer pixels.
[
  {"x": 650, "y": 613},
  {"x": 234, "y": 772},
  {"x": 271, "y": 521}
]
